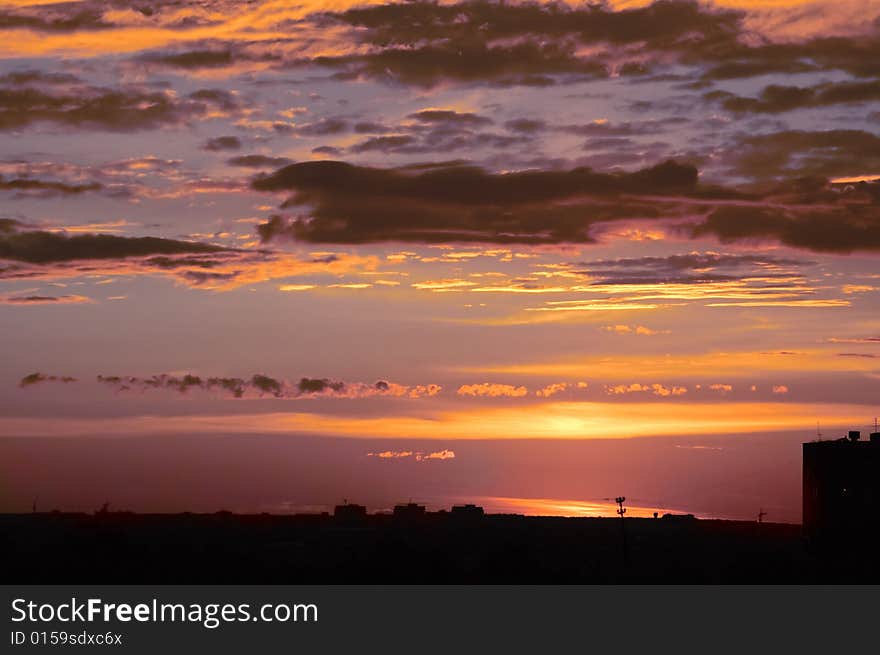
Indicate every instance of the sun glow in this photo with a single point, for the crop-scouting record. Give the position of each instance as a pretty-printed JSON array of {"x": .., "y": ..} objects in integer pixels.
[{"x": 572, "y": 420}]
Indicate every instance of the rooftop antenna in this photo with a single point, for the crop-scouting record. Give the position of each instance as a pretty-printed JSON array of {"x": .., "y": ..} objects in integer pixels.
[
  {"x": 761, "y": 515},
  {"x": 818, "y": 432}
]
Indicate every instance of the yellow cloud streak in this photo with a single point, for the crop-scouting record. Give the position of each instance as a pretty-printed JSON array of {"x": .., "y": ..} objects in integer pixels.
[
  {"x": 233, "y": 272},
  {"x": 740, "y": 364},
  {"x": 250, "y": 25},
  {"x": 548, "y": 421}
]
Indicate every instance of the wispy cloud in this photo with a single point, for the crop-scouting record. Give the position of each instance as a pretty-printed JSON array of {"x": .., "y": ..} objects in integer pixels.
[
  {"x": 35, "y": 300},
  {"x": 417, "y": 456},
  {"x": 256, "y": 386}
]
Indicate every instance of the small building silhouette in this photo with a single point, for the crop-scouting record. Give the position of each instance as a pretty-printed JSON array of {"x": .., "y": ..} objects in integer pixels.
[
  {"x": 409, "y": 512},
  {"x": 468, "y": 511},
  {"x": 677, "y": 517},
  {"x": 350, "y": 513},
  {"x": 841, "y": 487}
]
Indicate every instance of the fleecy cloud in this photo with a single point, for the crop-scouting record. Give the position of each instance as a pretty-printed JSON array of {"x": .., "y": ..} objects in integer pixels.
[
  {"x": 37, "y": 378},
  {"x": 222, "y": 143}
]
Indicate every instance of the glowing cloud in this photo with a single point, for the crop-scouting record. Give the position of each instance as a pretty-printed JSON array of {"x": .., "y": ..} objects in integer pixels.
[
  {"x": 491, "y": 390},
  {"x": 415, "y": 455}
]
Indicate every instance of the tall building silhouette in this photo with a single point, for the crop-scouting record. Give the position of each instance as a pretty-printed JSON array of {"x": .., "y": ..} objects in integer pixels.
[{"x": 841, "y": 487}]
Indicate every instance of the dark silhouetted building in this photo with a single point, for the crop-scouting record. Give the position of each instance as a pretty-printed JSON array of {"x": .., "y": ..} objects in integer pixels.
[
  {"x": 349, "y": 513},
  {"x": 468, "y": 512},
  {"x": 409, "y": 512},
  {"x": 679, "y": 517},
  {"x": 841, "y": 494}
]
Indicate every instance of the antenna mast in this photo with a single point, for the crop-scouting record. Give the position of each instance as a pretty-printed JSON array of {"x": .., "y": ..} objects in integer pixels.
[{"x": 621, "y": 512}]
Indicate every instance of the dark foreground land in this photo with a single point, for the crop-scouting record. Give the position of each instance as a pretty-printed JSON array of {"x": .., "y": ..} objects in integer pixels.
[{"x": 436, "y": 548}]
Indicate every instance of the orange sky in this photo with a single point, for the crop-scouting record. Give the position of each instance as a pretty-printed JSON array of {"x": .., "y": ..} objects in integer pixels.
[{"x": 461, "y": 221}]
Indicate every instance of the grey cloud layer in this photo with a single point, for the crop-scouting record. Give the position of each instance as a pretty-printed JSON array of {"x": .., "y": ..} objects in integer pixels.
[
  {"x": 343, "y": 203},
  {"x": 355, "y": 204},
  {"x": 40, "y": 247}
]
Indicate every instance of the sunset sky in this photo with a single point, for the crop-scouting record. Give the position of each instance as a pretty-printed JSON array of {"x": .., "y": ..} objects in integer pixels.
[{"x": 416, "y": 250}]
